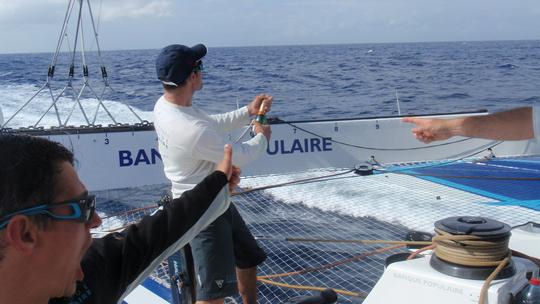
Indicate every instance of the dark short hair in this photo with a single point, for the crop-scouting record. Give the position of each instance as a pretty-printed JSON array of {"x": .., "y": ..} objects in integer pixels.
[
  {"x": 29, "y": 167},
  {"x": 169, "y": 88}
]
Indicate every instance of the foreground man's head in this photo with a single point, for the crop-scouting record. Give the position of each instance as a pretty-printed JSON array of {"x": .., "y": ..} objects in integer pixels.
[{"x": 45, "y": 219}]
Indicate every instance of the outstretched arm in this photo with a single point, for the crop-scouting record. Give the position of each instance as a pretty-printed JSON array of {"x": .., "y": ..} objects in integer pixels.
[
  {"x": 120, "y": 261},
  {"x": 515, "y": 124}
]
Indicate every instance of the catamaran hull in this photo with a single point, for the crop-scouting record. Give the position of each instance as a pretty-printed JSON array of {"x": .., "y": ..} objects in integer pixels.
[{"x": 124, "y": 157}]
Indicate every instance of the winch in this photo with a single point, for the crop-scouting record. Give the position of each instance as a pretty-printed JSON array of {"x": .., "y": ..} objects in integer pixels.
[
  {"x": 469, "y": 258},
  {"x": 470, "y": 262}
]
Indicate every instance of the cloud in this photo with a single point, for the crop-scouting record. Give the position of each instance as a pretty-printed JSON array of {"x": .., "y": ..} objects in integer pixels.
[
  {"x": 39, "y": 12},
  {"x": 115, "y": 9},
  {"x": 264, "y": 22},
  {"x": 13, "y": 12}
]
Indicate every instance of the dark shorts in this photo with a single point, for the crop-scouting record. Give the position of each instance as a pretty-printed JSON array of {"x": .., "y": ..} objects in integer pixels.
[{"x": 224, "y": 245}]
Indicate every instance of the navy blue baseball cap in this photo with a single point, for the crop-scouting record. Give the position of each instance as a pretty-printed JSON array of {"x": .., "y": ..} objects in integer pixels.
[{"x": 175, "y": 62}]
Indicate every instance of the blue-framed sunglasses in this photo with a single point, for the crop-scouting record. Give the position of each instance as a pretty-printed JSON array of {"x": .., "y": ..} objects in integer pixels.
[
  {"x": 198, "y": 66},
  {"x": 82, "y": 210}
]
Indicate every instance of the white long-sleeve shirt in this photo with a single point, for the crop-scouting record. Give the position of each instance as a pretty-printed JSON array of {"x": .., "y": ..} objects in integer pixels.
[{"x": 191, "y": 142}]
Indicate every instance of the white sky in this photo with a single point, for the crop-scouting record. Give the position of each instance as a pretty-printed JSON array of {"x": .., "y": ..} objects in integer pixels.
[{"x": 34, "y": 25}]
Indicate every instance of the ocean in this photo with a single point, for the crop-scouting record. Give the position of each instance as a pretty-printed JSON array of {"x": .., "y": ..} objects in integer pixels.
[{"x": 307, "y": 82}]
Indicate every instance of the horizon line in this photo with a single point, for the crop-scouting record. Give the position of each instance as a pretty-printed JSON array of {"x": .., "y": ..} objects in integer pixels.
[{"x": 288, "y": 45}]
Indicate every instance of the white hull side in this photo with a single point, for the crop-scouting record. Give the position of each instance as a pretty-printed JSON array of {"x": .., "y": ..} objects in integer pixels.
[{"x": 125, "y": 159}]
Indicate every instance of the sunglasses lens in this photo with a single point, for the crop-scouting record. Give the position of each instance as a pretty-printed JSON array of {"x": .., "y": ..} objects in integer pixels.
[
  {"x": 89, "y": 206},
  {"x": 198, "y": 66}
]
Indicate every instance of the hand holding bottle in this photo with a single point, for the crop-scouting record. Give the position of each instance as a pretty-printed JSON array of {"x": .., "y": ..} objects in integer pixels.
[
  {"x": 255, "y": 105},
  {"x": 264, "y": 129}
]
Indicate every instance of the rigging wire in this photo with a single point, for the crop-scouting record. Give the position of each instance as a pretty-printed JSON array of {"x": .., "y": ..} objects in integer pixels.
[
  {"x": 63, "y": 32},
  {"x": 366, "y": 242},
  {"x": 72, "y": 69},
  {"x": 373, "y": 148},
  {"x": 471, "y": 176},
  {"x": 96, "y": 32},
  {"x": 534, "y": 224},
  {"x": 444, "y": 163},
  {"x": 316, "y": 178},
  {"x": 75, "y": 96}
]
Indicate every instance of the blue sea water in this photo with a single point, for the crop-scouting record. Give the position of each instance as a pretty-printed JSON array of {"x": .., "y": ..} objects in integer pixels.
[
  {"x": 315, "y": 82},
  {"x": 307, "y": 82}
]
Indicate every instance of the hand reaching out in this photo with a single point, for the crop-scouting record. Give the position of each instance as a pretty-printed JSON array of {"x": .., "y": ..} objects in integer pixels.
[{"x": 429, "y": 129}]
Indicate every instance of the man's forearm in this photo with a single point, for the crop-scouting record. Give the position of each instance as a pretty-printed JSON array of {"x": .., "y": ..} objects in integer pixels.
[{"x": 515, "y": 124}]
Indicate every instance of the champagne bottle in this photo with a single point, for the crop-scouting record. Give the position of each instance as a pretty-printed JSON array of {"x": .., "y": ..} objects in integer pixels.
[{"x": 261, "y": 115}]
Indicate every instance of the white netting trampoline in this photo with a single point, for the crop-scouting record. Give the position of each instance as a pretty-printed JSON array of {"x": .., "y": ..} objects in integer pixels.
[{"x": 335, "y": 206}]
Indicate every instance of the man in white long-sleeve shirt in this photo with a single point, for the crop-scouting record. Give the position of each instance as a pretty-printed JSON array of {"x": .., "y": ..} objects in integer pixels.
[{"x": 191, "y": 143}]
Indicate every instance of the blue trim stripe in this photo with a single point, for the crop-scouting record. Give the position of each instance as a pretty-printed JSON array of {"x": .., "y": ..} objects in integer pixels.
[
  {"x": 530, "y": 204},
  {"x": 533, "y": 160},
  {"x": 405, "y": 168},
  {"x": 158, "y": 289},
  {"x": 502, "y": 200},
  {"x": 464, "y": 188}
]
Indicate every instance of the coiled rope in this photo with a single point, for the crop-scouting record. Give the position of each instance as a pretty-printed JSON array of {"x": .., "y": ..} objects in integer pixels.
[{"x": 472, "y": 250}]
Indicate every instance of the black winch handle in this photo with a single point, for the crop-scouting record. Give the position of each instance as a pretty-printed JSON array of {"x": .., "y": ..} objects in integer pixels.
[{"x": 327, "y": 296}]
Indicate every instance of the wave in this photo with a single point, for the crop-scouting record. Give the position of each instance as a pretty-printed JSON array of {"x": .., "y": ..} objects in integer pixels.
[
  {"x": 454, "y": 96},
  {"x": 416, "y": 64},
  {"x": 508, "y": 66},
  {"x": 532, "y": 99}
]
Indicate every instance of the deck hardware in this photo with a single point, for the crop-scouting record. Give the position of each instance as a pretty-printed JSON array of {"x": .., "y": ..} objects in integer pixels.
[{"x": 363, "y": 169}]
